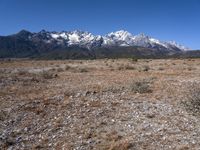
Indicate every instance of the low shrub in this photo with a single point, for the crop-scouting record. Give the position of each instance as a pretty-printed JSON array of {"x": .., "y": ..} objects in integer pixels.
[
  {"x": 192, "y": 101},
  {"x": 128, "y": 67},
  {"x": 140, "y": 87},
  {"x": 145, "y": 68},
  {"x": 48, "y": 75}
]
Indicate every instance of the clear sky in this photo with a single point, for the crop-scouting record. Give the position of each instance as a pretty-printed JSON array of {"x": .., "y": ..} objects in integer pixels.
[{"x": 177, "y": 20}]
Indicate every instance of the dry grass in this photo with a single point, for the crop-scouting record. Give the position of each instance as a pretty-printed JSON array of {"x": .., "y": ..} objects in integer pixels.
[
  {"x": 48, "y": 75},
  {"x": 120, "y": 145},
  {"x": 129, "y": 67},
  {"x": 145, "y": 68},
  {"x": 76, "y": 104},
  {"x": 192, "y": 101},
  {"x": 140, "y": 87}
]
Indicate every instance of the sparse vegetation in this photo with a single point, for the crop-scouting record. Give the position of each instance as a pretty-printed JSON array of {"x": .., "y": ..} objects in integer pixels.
[
  {"x": 67, "y": 67},
  {"x": 146, "y": 68},
  {"x": 82, "y": 70},
  {"x": 120, "y": 145},
  {"x": 23, "y": 72},
  {"x": 48, "y": 75},
  {"x": 121, "y": 67},
  {"x": 190, "y": 68},
  {"x": 161, "y": 68},
  {"x": 129, "y": 67},
  {"x": 60, "y": 69},
  {"x": 3, "y": 115},
  {"x": 134, "y": 59},
  {"x": 192, "y": 101},
  {"x": 140, "y": 87},
  {"x": 82, "y": 104}
]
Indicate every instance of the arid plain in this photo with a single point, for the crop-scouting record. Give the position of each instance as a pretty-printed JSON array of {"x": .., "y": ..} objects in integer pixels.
[{"x": 114, "y": 104}]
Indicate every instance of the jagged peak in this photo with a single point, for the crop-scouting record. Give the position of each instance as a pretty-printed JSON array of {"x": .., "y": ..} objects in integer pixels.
[
  {"x": 23, "y": 34},
  {"x": 80, "y": 32},
  {"x": 43, "y": 30},
  {"x": 117, "y": 38},
  {"x": 120, "y": 33},
  {"x": 172, "y": 42},
  {"x": 23, "y": 31},
  {"x": 142, "y": 35}
]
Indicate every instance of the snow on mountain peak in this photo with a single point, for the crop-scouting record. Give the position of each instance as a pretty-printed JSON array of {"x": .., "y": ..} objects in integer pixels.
[
  {"x": 179, "y": 45},
  {"x": 118, "y": 38},
  {"x": 55, "y": 36},
  {"x": 158, "y": 42},
  {"x": 120, "y": 35}
]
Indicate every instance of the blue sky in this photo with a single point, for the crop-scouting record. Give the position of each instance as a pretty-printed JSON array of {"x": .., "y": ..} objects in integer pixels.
[{"x": 177, "y": 20}]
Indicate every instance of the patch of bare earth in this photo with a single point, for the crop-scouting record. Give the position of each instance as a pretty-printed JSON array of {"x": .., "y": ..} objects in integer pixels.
[{"x": 100, "y": 104}]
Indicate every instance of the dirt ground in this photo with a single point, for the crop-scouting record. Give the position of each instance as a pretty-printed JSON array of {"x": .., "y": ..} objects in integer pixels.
[{"x": 108, "y": 104}]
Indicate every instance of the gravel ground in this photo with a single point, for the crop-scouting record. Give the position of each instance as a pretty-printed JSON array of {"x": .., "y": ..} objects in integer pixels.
[{"x": 102, "y": 104}]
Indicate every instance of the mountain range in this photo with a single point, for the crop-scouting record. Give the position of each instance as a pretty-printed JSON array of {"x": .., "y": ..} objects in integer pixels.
[{"x": 79, "y": 44}]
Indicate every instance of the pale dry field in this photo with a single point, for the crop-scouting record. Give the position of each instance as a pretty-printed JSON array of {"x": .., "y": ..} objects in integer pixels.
[{"x": 100, "y": 104}]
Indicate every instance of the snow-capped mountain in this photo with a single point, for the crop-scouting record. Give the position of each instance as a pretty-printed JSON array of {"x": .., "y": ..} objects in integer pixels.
[
  {"x": 124, "y": 38},
  {"x": 78, "y": 44},
  {"x": 88, "y": 40}
]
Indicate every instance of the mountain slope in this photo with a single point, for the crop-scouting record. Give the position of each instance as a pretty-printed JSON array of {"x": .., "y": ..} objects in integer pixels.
[{"x": 77, "y": 44}]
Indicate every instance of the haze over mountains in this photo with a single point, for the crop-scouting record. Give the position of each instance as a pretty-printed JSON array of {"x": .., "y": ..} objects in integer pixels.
[{"x": 80, "y": 44}]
